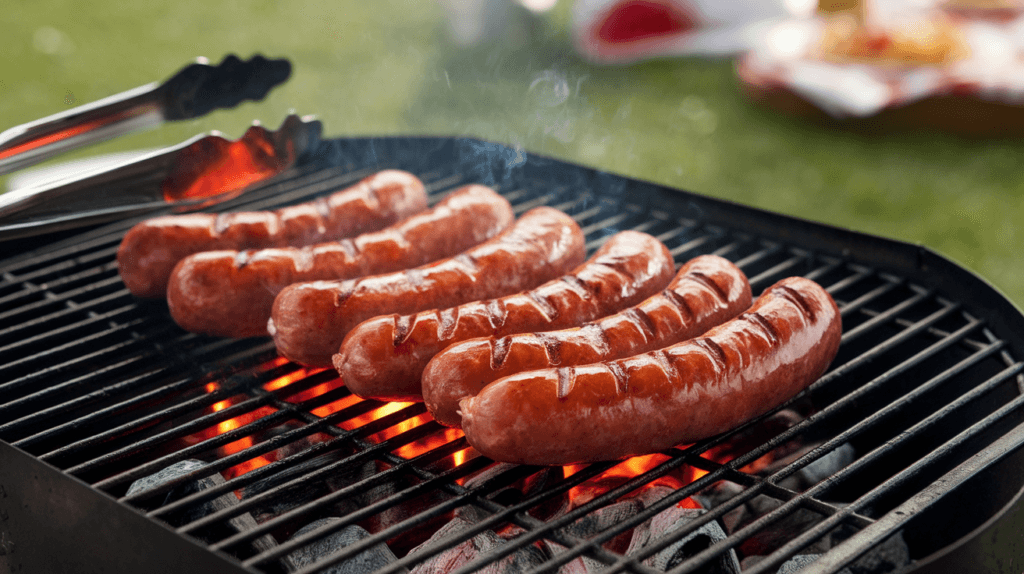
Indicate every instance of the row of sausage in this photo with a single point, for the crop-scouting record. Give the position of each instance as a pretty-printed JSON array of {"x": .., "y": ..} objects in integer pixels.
[{"x": 497, "y": 323}]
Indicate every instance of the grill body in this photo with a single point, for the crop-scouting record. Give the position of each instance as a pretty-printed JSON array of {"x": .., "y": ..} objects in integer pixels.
[{"x": 913, "y": 322}]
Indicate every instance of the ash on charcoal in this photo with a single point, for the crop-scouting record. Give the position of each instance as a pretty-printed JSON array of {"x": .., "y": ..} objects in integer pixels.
[
  {"x": 887, "y": 556},
  {"x": 298, "y": 494},
  {"x": 668, "y": 521},
  {"x": 586, "y": 527},
  {"x": 221, "y": 530},
  {"x": 797, "y": 563},
  {"x": 522, "y": 560},
  {"x": 370, "y": 560},
  {"x": 518, "y": 490},
  {"x": 822, "y": 468}
]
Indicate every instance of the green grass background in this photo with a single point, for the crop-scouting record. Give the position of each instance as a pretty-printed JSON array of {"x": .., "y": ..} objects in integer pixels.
[{"x": 387, "y": 67}]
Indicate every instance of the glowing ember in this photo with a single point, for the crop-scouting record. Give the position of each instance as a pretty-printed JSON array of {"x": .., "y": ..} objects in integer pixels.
[
  {"x": 213, "y": 166},
  {"x": 626, "y": 470}
]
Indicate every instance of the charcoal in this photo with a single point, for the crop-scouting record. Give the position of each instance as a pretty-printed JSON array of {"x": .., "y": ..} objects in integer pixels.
[
  {"x": 221, "y": 530},
  {"x": 408, "y": 538},
  {"x": 668, "y": 521},
  {"x": 889, "y": 555},
  {"x": 817, "y": 471},
  {"x": 296, "y": 495},
  {"x": 591, "y": 525},
  {"x": 370, "y": 560},
  {"x": 797, "y": 563},
  {"x": 521, "y": 560}
]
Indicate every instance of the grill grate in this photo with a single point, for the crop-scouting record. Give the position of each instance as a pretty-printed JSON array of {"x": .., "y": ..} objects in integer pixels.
[{"x": 109, "y": 391}]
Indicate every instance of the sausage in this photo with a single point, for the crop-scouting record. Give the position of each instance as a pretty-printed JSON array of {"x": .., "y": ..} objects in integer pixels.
[
  {"x": 151, "y": 249},
  {"x": 309, "y": 320},
  {"x": 231, "y": 293},
  {"x": 707, "y": 291},
  {"x": 653, "y": 401},
  {"x": 383, "y": 358}
]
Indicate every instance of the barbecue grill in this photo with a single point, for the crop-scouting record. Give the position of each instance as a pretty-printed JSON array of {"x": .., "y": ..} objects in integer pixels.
[{"x": 128, "y": 445}]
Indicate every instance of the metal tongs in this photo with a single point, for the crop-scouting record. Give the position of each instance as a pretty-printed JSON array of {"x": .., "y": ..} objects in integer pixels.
[{"x": 204, "y": 170}]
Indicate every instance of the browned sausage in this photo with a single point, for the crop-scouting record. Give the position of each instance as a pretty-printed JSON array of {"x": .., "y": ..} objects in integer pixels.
[
  {"x": 231, "y": 293},
  {"x": 151, "y": 249},
  {"x": 309, "y": 320},
  {"x": 383, "y": 358},
  {"x": 707, "y": 291},
  {"x": 650, "y": 402}
]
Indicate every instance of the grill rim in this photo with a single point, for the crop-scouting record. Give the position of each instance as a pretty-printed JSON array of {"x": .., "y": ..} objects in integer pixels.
[{"x": 914, "y": 262}]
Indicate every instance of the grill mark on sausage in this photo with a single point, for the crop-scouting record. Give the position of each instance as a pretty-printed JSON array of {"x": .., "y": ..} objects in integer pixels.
[
  {"x": 714, "y": 350},
  {"x": 620, "y": 267},
  {"x": 667, "y": 365},
  {"x": 496, "y": 313},
  {"x": 349, "y": 247},
  {"x": 415, "y": 276},
  {"x": 499, "y": 352},
  {"x": 601, "y": 334},
  {"x": 323, "y": 209},
  {"x": 221, "y": 223},
  {"x": 757, "y": 319},
  {"x": 553, "y": 347},
  {"x": 577, "y": 286},
  {"x": 566, "y": 380},
  {"x": 344, "y": 290},
  {"x": 619, "y": 374},
  {"x": 447, "y": 320},
  {"x": 374, "y": 195},
  {"x": 796, "y": 298},
  {"x": 403, "y": 328},
  {"x": 710, "y": 284},
  {"x": 680, "y": 304},
  {"x": 543, "y": 304},
  {"x": 467, "y": 261},
  {"x": 242, "y": 259},
  {"x": 304, "y": 259},
  {"x": 642, "y": 319}
]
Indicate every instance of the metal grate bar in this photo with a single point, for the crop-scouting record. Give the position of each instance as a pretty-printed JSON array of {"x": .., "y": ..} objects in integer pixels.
[
  {"x": 933, "y": 494},
  {"x": 871, "y": 354},
  {"x": 693, "y": 244},
  {"x": 59, "y": 301},
  {"x": 92, "y": 255},
  {"x": 233, "y": 411},
  {"x": 444, "y": 481},
  {"x": 514, "y": 514},
  {"x": 778, "y": 269},
  {"x": 60, "y": 410},
  {"x": 722, "y": 473},
  {"x": 893, "y": 483},
  {"x": 816, "y": 491},
  {"x": 66, "y": 329},
  {"x": 340, "y": 439},
  {"x": 119, "y": 345}
]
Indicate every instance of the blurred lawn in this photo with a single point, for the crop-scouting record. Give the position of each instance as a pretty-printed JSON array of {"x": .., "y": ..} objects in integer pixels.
[{"x": 386, "y": 67}]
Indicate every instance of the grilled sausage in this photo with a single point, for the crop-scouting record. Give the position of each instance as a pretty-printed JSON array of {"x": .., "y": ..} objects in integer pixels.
[
  {"x": 309, "y": 320},
  {"x": 383, "y": 358},
  {"x": 650, "y": 402},
  {"x": 707, "y": 291},
  {"x": 151, "y": 249},
  {"x": 231, "y": 293}
]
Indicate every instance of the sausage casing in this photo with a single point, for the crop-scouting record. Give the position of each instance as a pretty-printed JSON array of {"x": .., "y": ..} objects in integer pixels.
[
  {"x": 309, "y": 320},
  {"x": 707, "y": 291},
  {"x": 151, "y": 249},
  {"x": 384, "y": 357},
  {"x": 653, "y": 401},
  {"x": 231, "y": 293}
]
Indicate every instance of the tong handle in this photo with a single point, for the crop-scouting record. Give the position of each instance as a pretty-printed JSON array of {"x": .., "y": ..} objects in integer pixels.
[{"x": 194, "y": 91}]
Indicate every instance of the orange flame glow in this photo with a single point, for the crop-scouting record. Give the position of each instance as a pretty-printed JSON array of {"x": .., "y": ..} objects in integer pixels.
[{"x": 213, "y": 166}]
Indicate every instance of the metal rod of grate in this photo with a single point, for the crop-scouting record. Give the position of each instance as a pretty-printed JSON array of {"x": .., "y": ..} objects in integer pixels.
[{"x": 143, "y": 373}]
